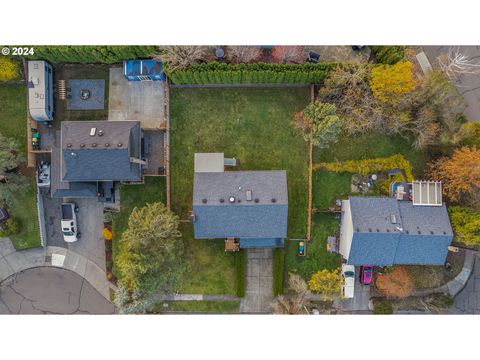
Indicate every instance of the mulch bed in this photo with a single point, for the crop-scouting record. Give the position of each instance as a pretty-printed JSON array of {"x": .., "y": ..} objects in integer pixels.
[{"x": 109, "y": 256}]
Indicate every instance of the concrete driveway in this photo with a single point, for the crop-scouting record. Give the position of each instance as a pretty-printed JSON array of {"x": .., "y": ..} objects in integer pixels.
[
  {"x": 136, "y": 100},
  {"x": 467, "y": 85},
  {"x": 47, "y": 290},
  {"x": 468, "y": 300},
  {"x": 259, "y": 282},
  {"x": 361, "y": 297},
  {"x": 90, "y": 224}
]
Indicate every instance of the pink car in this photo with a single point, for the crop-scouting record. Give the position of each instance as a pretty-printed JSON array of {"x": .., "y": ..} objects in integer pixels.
[{"x": 366, "y": 274}]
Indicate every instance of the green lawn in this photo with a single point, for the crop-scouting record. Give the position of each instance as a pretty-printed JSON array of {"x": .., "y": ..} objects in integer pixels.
[
  {"x": 13, "y": 113},
  {"x": 253, "y": 125},
  {"x": 13, "y": 117},
  {"x": 206, "y": 306},
  {"x": 132, "y": 196}
]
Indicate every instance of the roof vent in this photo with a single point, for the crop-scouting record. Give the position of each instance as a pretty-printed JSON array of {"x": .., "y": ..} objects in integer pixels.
[
  {"x": 107, "y": 144},
  {"x": 231, "y": 199},
  {"x": 388, "y": 230},
  {"x": 93, "y": 131},
  {"x": 444, "y": 233},
  {"x": 369, "y": 229},
  {"x": 419, "y": 232},
  {"x": 248, "y": 194},
  {"x": 274, "y": 200},
  {"x": 431, "y": 232},
  {"x": 222, "y": 200},
  {"x": 82, "y": 145},
  {"x": 378, "y": 230},
  {"x": 100, "y": 132},
  {"x": 119, "y": 144},
  {"x": 239, "y": 201},
  {"x": 204, "y": 201},
  {"x": 257, "y": 200},
  {"x": 94, "y": 145},
  {"x": 69, "y": 145},
  {"x": 407, "y": 232},
  {"x": 358, "y": 229},
  {"x": 393, "y": 219}
]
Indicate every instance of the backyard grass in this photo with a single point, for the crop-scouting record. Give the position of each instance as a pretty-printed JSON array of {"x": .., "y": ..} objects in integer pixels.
[
  {"x": 79, "y": 72},
  {"x": 13, "y": 117},
  {"x": 206, "y": 306},
  {"x": 251, "y": 124},
  {"x": 132, "y": 196},
  {"x": 13, "y": 114}
]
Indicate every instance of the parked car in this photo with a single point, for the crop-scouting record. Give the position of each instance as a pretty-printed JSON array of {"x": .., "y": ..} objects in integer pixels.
[
  {"x": 69, "y": 222},
  {"x": 348, "y": 288},
  {"x": 43, "y": 175},
  {"x": 366, "y": 274}
]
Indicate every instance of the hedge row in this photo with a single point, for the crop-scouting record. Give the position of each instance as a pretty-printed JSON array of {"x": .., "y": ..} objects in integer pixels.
[
  {"x": 388, "y": 54},
  {"x": 278, "y": 262},
  {"x": 221, "y": 73},
  {"x": 240, "y": 263},
  {"x": 368, "y": 166},
  {"x": 91, "y": 54}
]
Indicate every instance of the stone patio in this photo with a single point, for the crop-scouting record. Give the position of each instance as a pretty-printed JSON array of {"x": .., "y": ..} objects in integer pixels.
[{"x": 96, "y": 100}]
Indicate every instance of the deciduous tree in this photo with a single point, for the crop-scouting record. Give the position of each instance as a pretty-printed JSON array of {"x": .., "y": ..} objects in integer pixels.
[
  {"x": 454, "y": 64},
  {"x": 9, "y": 69},
  {"x": 319, "y": 123},
  {"x": 288, "y": 54},
  {"x": 11, "y": 182},
  {"x": 295, "y": 303},
  {"x": 460, "y": 174},
  {"x": 182, "y": 56},
  {"x": 326, "y": 282},
  {"x": 389, "y": 82},
  {"x": 243, "y": 54},
  {"x": 465, "y": 224},
  {"x": 395, "y": 284}
]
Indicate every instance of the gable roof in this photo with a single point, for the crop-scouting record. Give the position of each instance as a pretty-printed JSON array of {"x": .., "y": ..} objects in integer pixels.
[
  {"x": 104, "y": 156},
  {"x": 217, "y": 217},
  {"x": 420, "y": 234}
]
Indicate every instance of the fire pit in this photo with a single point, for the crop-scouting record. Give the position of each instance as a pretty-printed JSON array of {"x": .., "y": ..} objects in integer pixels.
[{"x": 84, "y": 94}]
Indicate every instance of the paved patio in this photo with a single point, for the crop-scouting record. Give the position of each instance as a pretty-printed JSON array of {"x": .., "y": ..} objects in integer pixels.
[
  {"x": 259, "y": 282},
  {"x": 95, "y": 100},
  {"x": 136, "y": 100}
]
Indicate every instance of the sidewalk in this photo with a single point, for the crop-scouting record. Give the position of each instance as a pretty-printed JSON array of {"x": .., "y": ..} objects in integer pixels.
[
  {"x": 456, "y": 285},
  {"x": 12, "y": 261}
]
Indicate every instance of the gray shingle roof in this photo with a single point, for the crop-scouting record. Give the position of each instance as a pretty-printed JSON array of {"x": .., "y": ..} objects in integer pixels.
[
  {"x": 88, "y": 158},
  {"x": 420, "y": 236},
  {"x": 244, "y": 219}
]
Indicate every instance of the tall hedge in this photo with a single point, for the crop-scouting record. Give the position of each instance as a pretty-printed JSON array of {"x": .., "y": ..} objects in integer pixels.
[
  {"x": 91, "y": 54},
  {"x": 240, "y": 264},
  {"x": 222, "y": 73},
  {"x": 390, "y": 54},
  {"x": 278, "y": 265}
]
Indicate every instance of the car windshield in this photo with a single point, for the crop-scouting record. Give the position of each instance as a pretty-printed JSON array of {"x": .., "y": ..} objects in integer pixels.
[
  {"x": 68, "y": 233},
  {"x": 349, "y": 274}
]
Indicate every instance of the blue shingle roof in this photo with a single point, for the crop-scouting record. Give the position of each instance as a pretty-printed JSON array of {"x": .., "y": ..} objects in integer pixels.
[
  {"x": 261, "y": 243},
  {"x": 421, "y": 234}
]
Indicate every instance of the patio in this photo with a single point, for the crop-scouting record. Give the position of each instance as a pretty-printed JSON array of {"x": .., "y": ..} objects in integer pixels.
[{"x": 86, "y": 94}]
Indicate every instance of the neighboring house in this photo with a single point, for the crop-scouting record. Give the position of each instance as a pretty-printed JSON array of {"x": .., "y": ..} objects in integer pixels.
[
  {"x": 40, "y": 90},
  {"x": 248, "y": 208},
  {"x": 93, "y": 156},
  {"x": 384, "y": 231},
  {"x": 143, "y": 70}
]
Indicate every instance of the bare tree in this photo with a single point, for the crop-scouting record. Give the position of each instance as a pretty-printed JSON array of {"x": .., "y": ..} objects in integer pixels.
[
  {"x": 288, "y": 54},
  {"x": 454, "y": 64},
  {"x": 296, "y": 303},
  {"x": 243, "y": 54},
  {"x": 182, "y": 56}
]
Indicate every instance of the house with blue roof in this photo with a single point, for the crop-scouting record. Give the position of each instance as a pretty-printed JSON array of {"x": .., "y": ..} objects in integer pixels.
[
  {"x": 382, "y": 231},
  {"x": 93, "y": 155},
  {"x": 247, "y": 208}
]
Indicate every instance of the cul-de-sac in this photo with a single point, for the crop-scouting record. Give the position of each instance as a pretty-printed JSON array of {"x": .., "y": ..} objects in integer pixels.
[{"x": 240, "y": 180}]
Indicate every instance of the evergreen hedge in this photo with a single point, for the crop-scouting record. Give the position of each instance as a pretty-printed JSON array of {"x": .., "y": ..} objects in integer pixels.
[
  {"x": 240, "y": 263},
  {"x": 388, "y": 54},
  {"x": 222, "y": 73},
  {"x": 91, "y": 54},
  {"x": 278, "y": 262}
]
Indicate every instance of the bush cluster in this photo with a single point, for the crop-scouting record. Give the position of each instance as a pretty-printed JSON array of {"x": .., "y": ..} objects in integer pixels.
[
  {"x": 383, "y": 307},
  {"x": 368, "y": 166},
  {"x": 240, "y": 262},
  {"x": 9, "y": 69},
  {"x": 388, "y": 54},
  {"x": 92, "y": 54},
  {"x": 222, "y": 73},
  {"x": 278, "y": 261}
]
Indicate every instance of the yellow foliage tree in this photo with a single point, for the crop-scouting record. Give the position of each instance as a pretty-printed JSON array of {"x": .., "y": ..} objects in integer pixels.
[
  {"x": 9, "y": 69},
  {"x": 389, "y": 82},
  {"x": 107, "y": 234},
  {"x": 326, "y": 282}
]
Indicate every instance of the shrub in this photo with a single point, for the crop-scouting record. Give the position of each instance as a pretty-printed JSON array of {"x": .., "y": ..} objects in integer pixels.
[
  {"x": 240, "y": 262},
  {"x": 389, "y": 82},
  {"x": 465, "y": 224},
  {"x": 368, "y": 166},
  {"x": 278, "y": 267},
  {"x": 107, "y": 234},
  {"x": 9, "y": 69},
  {"x": 395, "y": 284},
  {"x": 222, "y": 73},
  {"x": 388, "y": 54},
  {"x": 11, "y": 227},
  {"x": 326, "y": 282},
  {"x": 383, "y": 307},
  {"x": 107, "y": 217}
]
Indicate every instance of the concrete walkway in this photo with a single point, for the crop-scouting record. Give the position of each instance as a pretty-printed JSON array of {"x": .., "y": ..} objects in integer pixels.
[
  {"x": 259, "y": 282},
  {"x": 12, "y": 261},
  {"x": 456, "y": 285}
]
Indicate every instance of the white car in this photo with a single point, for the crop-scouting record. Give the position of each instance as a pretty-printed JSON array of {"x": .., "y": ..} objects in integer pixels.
[
  {"x": 69, "y": 223},
  {"x": 348, "y": 273}
]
